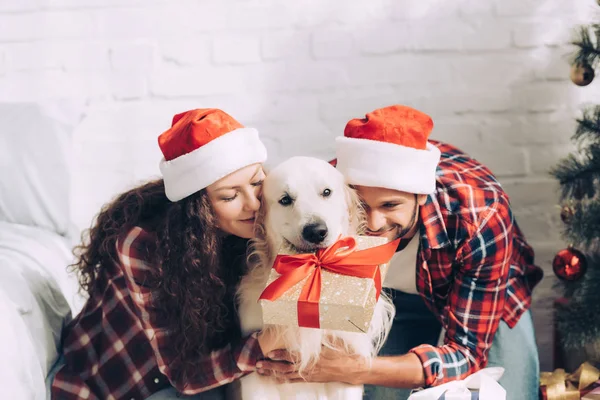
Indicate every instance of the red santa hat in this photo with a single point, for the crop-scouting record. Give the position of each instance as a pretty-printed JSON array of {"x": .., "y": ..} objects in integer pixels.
[
  {"x": 203, "y": 146},
  {"x": 389, "y": 148}
]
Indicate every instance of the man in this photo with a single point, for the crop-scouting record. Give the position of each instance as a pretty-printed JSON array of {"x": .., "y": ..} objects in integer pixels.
[{"x": 463, "y": 264}]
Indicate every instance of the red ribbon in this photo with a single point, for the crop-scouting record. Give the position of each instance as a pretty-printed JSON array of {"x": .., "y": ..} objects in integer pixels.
[{"x": 293, "y": 268}]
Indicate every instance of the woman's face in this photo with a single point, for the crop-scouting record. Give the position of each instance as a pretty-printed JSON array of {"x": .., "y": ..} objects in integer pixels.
[{"x": 236, "y": 199}]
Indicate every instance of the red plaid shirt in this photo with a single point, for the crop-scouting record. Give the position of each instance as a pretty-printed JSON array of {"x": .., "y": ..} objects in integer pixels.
[
  {"x": 113, "y": 349},
  {"x": 475, "y": 267}
]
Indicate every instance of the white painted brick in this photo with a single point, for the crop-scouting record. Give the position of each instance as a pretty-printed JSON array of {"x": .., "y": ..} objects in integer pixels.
[
  {"x": 277, "y": 45},
  {"x": 19, "y": 6},
  {"x": 475, "y": 8},
  {"x": 32, "y": 86},
  {"x": 2, "y": 62},
  {"x": 67, "y": 24},
  {"x": 362, "y": 13},
  {"x": 19, "y": 27},
  {"x": 68, "y": 55},
  {"x": 158, "y": 21},
  {"x": 423, "y": 9},
  {"x": 458, "y": 131},
  {"x": 308, "y": 138},
  {"x": 201, "y": 81},
  {"x": 385, "y": 39},
  {"x": 297, "y": 76},
  {"x": 318, "y": 75},
  {"x": 544, "y": 96},
  {"x": 445, "y": 101},
  {"x": 532, "y": 129},
  {"x": 502, "y": 159},
  {"x": 530, "y": 194},
  {"x": 339, "y": 106},
  {"x": 134, "y": 57},
  {"x": 544, "y": 157},
  {"x": 258, "y": 15},
  {"x": 187, "y": 50},
  {"x": 236, "y": 49},
  {"x": 478, "y": 70},
  {"x": 262, "y": 77},
  {"x": 127, "y": 86},
  {"x": 539, "y": 33},
  {"x": 296, "y": 107},
  {"x": 332, "y": 43},
  {"x": 93, "y": 187},
  {"x": 517, "y": 8},
  {"x": 97, "y": 150},
  {"x": 312, "y": 13},
  {"x": 406, "y": 69},
  {"x": 481, "y": 34},
  {"x": 550, "y": 63},
  {"x": 539, "y": 226},
  {"x": 130, "y": 23},
  {"x": 79, "y": 4}
]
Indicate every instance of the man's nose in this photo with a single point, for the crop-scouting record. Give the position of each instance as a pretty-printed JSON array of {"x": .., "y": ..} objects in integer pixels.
[{"x": 375, "y": 221}]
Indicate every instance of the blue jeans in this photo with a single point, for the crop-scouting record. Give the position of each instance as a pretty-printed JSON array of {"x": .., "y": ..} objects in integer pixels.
[{"x": 514, "y": 349}]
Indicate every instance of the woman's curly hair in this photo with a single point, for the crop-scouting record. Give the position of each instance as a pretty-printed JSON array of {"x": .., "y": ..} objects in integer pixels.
[{"x": 196, "y": 270}]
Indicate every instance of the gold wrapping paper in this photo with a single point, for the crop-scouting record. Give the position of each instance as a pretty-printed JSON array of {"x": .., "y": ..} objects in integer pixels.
[{"x": 347, "y": 303}]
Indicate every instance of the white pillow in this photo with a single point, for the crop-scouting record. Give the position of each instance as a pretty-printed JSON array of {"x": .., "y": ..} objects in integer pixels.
[{"x": 35, "y": 163}]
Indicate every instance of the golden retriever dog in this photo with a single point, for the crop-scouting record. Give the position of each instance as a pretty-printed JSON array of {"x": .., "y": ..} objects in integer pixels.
[{"x": 306, "y": 205}]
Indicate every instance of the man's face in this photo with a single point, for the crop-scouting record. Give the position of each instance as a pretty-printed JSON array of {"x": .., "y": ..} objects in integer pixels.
[{"x": 390, "y": 213}]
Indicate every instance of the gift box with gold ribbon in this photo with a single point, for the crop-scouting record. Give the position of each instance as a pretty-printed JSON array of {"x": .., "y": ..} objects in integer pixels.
[
  {"x": 580, "y": 385},
  {"x": 334, "y": 288}
]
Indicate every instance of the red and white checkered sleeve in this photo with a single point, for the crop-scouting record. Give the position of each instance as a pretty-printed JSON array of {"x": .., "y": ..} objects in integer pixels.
[
  {"x": 475, "y": 302},
  {"x": 219, "y": 367}
]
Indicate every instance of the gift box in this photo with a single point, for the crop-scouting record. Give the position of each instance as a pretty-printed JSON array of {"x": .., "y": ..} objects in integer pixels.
[
  {"x": 334, "y": 288},
  {"x": 584, "y": 383},
  {"x": 482, "y": 385}
]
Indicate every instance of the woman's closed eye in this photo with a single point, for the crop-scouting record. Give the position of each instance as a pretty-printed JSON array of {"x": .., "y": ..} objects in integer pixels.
[
  {"x": 258, "y": 183},
  {"x": 231, "y": 198},
  {"x": 390, "y": 205}
]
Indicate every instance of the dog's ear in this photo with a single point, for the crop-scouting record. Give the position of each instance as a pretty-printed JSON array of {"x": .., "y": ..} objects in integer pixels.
[{"x": 355, "y": 209}]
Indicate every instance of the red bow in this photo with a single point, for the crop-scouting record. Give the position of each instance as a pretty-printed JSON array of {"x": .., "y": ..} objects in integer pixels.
[{"x": 293, "y": 268}]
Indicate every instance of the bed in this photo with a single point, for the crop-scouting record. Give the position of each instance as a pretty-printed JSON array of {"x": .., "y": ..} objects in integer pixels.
[{"x": 37, "y": 294}]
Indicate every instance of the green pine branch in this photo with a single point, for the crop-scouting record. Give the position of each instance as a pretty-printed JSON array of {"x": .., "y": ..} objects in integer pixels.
[
  {"x": 578, "y": 174},
  {"x": 578, "y": 322},
  {"x": 588, "y": 41},
  {"x": 588, "y": 127},
  {"x": 584, "y": 227}
]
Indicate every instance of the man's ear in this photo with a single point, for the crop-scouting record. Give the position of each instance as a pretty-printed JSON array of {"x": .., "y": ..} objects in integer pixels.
[{"x": 421, "y": 199}]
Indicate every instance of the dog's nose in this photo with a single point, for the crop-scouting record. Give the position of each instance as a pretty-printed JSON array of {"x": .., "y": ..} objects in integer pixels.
[{"x": 314, "y": 233}]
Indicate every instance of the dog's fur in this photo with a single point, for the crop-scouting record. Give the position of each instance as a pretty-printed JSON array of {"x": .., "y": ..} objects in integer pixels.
[{"x": 304, "y": 180}]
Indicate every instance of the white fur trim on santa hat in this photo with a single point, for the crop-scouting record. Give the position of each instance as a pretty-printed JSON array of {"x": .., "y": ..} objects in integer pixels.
[
  {"x": 373, "y": 163},
  {"x": 218, "y": 158}
]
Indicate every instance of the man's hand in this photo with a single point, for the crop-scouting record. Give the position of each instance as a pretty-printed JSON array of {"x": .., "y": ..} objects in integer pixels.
[{"x": 332, "y": 366}]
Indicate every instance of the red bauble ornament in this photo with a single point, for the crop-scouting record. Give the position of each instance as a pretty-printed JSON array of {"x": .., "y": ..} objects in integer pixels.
[{"x": 569, "y": 264}]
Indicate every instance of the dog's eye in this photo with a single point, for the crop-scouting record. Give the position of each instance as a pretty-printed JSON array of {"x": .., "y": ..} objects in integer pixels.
[
  {"x": 326, "y": 193},
  {"x": 286, "y": 200}
]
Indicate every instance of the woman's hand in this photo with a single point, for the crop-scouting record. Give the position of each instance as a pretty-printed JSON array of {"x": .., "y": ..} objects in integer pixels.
[{"x": 332, "y": 366}]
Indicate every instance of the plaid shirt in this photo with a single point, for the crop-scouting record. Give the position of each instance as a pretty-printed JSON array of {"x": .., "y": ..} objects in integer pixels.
[
  {"x": 475, "y": 267},
  {"x": 114, "y": 350}
]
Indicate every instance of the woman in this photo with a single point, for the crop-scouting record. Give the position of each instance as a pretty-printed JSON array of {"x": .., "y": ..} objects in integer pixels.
[{"x": 161, "y": 268}]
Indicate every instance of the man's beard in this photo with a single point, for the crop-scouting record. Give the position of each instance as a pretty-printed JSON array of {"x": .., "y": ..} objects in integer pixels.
[{"x": 401, "y": 231}]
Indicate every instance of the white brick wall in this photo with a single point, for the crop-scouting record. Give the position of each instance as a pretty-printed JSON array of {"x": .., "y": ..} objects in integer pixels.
[{"x": 493, "y": 75}]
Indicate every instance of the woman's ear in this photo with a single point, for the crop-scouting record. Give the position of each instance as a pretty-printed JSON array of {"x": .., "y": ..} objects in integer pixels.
[{"x": 422, "y": 199}]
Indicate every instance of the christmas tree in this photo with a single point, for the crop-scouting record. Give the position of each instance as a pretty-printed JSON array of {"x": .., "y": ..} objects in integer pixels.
[{"x": 578, "y": 266}]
